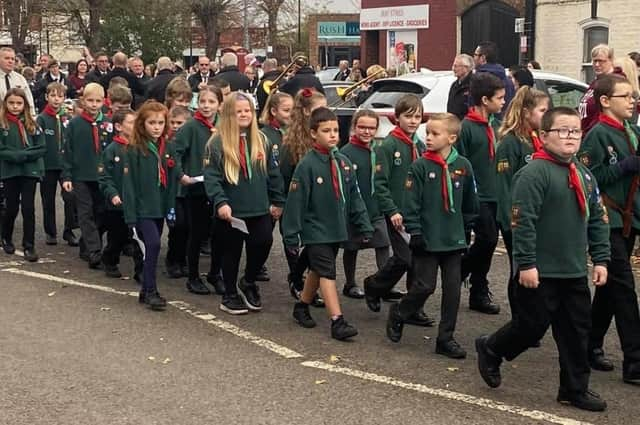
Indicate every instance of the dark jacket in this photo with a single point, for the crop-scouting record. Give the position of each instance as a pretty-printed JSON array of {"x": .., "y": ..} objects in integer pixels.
[
  {"x": 95, "y": 76},
  {"x": 498, "y": 70},
  {"x": 304, "y": 78},
  {"x": 458, "y": 102},
  {"x": 157, "y": 87},
  {"x": 134, "y": 83},
  {"x": 41, "y": 89},
  {"x": 342, "y": 75},
  {"x": 236, "y": 79},
  {"x": 261, "y": 94},
  {"x": 196, "y": 79}
]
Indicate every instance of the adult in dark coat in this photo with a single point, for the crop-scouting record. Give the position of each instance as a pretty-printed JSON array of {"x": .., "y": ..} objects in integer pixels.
[
  {"x": 136, "y": 65},
  {"x": 203, "y": 75},
  {"x": 52, "y": 75},
  {"x": 486, "y": 60},
  {"x": 458, "y": 102},
  {"x": 271, "y": 72},
  {"x": 304, "y": 78},
  {"x": 101, "y": 69},
  {"x": 231, "y": 73},
  {"x": 157, "y": 87},
  {"x": 120, "y": 70}
]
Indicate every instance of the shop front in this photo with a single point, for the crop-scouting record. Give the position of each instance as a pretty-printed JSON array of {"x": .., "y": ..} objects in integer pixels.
[{"x": 333, "y": 37}]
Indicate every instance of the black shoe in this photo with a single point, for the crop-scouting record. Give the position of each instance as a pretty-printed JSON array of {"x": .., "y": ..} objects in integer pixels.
[
  {"x": 302, "y": 316},
  {"x": 112, "y": 271},
  {"x": 393, "y": 295},
  {"x": 217, "y": 282},
  {"x": 450, "y": 349},
  {"x": 488, "y": 363},
  {"x": 173, "y": 270},
  {"x": 197, "y": 286},
  {"x": 589, "y": 400},
  {"x": 372, "y": 301},
  {"x": 394, "y": 323},
  {"x": 483, "y": 303},
  {"x": 598, "y": 361},
  {"x": 294, "y": 291},
  {"x": 353, "y": 291},
  {"x": 263, "y": 275},
  {"x": 30, "y": 255},
  {"x": 153, "y": 300},
  {"x": 50, "y": 240},
  {"x": 233, "y": 304},
  {"x": 205, "y": 248},
  {"x": 317, "y": 301},
  {"x": 8, "y": 247},
  {"x": 95, "y": 261},
  {"x": 250, "y": 294},
  {"x": 631, "y": 373},
  {"x": 420, "y": 319},
  {"x": 128, "y": 250},
  {"x": 184, "y": 269},
  {"x": 70, "y": 238},
  {"x": 137, "y": 276},
  {"x": 84, "y": 256},
  {"x": 341, "y": 329}
]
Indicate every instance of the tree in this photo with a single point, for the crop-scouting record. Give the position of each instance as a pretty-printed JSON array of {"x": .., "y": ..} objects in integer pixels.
[
  {"x": 20, "y": 15},
  {"x": 272, "y": 9},
  {"x": 86, "y": 17},
  {"x": 214, "y": 16}
]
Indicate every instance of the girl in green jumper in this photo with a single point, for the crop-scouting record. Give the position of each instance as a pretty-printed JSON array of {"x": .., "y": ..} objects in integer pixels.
[{"x": 22, "y": 147}]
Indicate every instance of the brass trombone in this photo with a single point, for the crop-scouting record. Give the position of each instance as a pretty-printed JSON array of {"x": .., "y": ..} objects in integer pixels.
[
  {"x": 298, "y": 62},
  {"x": 345, "y": 94}
]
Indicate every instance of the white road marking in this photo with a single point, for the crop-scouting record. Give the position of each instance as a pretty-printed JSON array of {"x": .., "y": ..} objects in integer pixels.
[{"x": 450, "y": 395}]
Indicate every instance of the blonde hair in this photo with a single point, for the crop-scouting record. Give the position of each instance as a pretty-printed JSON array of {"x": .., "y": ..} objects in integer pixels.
[
  {"x": 525, "y": 98},
  {"x": 630, "y": 70},
  {"x": 373, "y": 69},
  {"x": 273, "y": 102},
  {"x": 176, "y": 89},
  {"x": 298, "y": 136},
  {"x": 230, "y": 137},
  {"x": 604, "y": 49},
  {"x": 451, "y": 122},
  {"x": 93, "y": 88}
]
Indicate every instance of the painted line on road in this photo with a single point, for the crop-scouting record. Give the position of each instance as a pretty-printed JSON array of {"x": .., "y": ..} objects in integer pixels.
[{"x": 450, "y": 395}]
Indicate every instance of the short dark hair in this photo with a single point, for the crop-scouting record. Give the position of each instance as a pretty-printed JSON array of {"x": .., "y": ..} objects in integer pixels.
[
  {"x": 484, "y": 84},
  {"x": 219, "y": 82},
  {"x": 523, "y": 76},
  {"x": 489, "y": 50},
  {"x": 321, "y": 115},
  {"x": 605, "y": 86},
  {"x": 120, "y": 115},
  {"x": 549, "y": 117},
  {"x": 409, "y": 103},
  {"x": 535, "y": 64}
]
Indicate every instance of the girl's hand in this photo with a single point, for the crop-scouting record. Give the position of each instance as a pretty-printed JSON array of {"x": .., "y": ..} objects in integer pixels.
[
  {"x": 529, "y": 278},
  {"x": 67, "y": 186},
  {"x": 396, "y": 221},
  {"x": 224, "y": 212},
  {"x": 116, "y": 200},
  {"x": 599, "y": 275},
  {"x": 185, "y": 180}
]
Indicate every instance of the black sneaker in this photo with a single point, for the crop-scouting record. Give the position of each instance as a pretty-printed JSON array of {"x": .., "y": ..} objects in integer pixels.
[
  {"x": 631, "y": 373},
  {"x": 341, "y": 329},
  {"x": 317, "y": 301},
  {"x": 598, "y": 361},
  {"x": 450, "y": 349},
  {"x": 217, "y": 282},
  {"x": 302, "y": 316},
  {"x": 588, "y": 400},
  {"x": 8, "y": 247},
  {"x": 95, "y": 261},
  {"x": 152, "y": 299},
  {"x": 173, "y": 271},
  {"x": 205, "y": 248},
  {"x": 394, "y": 323},
  {"x": 483, "y": 303},
  {"x": 184, "y": 269},
  {"x": 70, "y": 238},
  {"x": 263, "y": 275},
  {"x": 112, "y": 271},
  {"x": 250, "y": 294},
  {"x": 294, "y": 291},
  {"x": 372, "y": 301},
  {"x": 233, "y": 304},
  {"x": 488, "y": 363},
  {"x": 393, "y": 295},
  {"x": 353, "y": 291},
  {"x": 197, "y": 286},
  {"x": 420, "y": 319},
  {"x": 50, "y": 240},
  {"x": 30, "y": 255}
]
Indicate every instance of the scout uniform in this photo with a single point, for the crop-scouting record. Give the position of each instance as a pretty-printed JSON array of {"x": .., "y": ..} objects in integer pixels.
[
  {"x": 608, "y": 143},
  {"x": 556, "y": 215},
  {"x": 477, "y": 143}
]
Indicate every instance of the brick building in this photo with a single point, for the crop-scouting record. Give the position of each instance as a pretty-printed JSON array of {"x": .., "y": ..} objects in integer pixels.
[{"x": 333, "y": 37}]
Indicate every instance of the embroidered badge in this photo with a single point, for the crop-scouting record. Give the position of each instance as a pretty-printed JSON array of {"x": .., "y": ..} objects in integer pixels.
[
  {"x": 397, "y": 161},
  {"x": 432, "y": 175},
  {"x": 355, "y": 167},
  {"x": 528, "y": 158},
  {"x": 49, "y": 132},
  {"x": 167, "y": 156},
  {"x": 116, "y": 159},
  {"x": 205, "y": 162},
  {"x": 125, "y": 170},
  {"x": 274, "y": 147},
  {"x": 503, "y": 166},
  {"x": 515, "y": 216},
  {"x": 396, "y": 154},
  {"x": 457, "y": 185},
  {"x": 100, "y": 169},
  {"x": 408, "y": 184},
  {"x": 460, "y": 172},
  {"x": 320, "y": 180},
  {"x": 378, "y": 168},
  {"x": 585, "y": 159},
  {"x": 293, "y": 186}
]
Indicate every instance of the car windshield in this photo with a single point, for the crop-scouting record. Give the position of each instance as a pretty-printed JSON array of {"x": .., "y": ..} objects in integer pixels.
[{"x": 387, "y": 93}]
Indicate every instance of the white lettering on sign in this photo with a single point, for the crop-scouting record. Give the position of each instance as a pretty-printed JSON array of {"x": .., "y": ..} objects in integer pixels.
[{"x": 400, "y": 17}]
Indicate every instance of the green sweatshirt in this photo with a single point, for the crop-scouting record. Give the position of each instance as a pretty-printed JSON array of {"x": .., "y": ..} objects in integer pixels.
[
  {"x": 512, "y": 154},
  {"x": 81, "y": 160},
  {"x": 601, "y": 151},
  {"x": 190, "y": 142},
  {"x": 53, "y": 158},
  {"x": 251, "y": 197},
  {"x": 393, "y": 159},
  {"x": 361, "y": 160},
  {"x": 473, "y": 144},
  {"x": 549, "y": 230},
  {"x": 287, "y": 167},
  {"x": 313, "y": 214},
  {"x": 110, "y": 172},
  {"x": 18, "y": 160}
]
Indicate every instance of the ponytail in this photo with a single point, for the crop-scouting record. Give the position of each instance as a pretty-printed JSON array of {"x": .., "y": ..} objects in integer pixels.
[{"x": 514, "y": 121}]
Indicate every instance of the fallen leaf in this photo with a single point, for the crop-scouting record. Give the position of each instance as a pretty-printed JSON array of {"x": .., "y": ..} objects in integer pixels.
[
  {"x": 51, "y": 294},
  {"x": 151, "y": 358},
  {"x": 66, "y": 272},
  {"x": 105, "y": 308},
  {"x": 321, "y": 381},
  {"x": 166, "y": 361},
  {"x": 125, "y": 278},
  {"x": 453, "y": 369},
  {"x": 334, "y": 359},
  {"x": 162, "y": 339},
  {"x": 427, "y": 338}
]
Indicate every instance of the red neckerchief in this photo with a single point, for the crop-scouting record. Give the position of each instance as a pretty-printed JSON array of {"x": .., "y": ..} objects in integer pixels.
[
  {"x": 628, "y": 133},
  {"x": 535, "y": 140},
  {"x": 107, "y": 102},
  {"x": 17, "y": 121},
  {"x": 474, "y": 116},
  {"x": 243, "y": 156},
  {"x": 198, "y": 117},
  {"x": 606, "y": 119},
  {"x": 355, "y": 140},
  {"x": 120, "y": 140},
  {"x": 334, "y": 168},
  {"x": 399, "y": 134},
  {"x": 94, "y": 129},
  {"x": 48, "y": 110},
  {"x": 574, "y": 179},
  {"x": 444, "y": 187},
  {"x": 275, "y": 123}
]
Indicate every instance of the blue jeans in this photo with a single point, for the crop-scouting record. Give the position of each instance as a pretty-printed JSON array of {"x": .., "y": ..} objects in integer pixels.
[{"x": 150, "y": 230}]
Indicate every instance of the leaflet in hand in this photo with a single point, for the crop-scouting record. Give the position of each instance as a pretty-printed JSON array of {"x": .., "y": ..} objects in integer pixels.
[
  {"x": 198, "y": 179},
  {"x": 239, "y": 224}
]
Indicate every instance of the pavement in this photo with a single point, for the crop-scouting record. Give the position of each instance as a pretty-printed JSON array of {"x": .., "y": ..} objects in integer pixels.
[{"x": 77, "y": 348}]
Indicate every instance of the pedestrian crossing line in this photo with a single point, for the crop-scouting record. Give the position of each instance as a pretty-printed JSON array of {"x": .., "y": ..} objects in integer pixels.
[{"x": 450, "y": 395}]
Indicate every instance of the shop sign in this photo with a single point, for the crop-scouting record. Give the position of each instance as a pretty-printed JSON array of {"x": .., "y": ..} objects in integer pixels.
[
  {"x": 394, "y": 18},
  {"x": 338, "y": 29}
]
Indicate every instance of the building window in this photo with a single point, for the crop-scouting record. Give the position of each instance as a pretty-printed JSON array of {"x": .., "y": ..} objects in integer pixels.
[{"x": 593, "y": 35}]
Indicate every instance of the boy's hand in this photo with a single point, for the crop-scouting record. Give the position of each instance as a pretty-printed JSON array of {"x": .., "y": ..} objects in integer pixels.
[
  {"x": 276, "y": 212},
  {"x": 67, "y": 186},
  {"x": 599, "y": 275},
  {"x": 224, "y": 212},
  {"x": 396, "y": 221},
  {"x": 185, "y": 180},
  {"x": 116, "y": 201},
  {"x": 529, "y": 278}
]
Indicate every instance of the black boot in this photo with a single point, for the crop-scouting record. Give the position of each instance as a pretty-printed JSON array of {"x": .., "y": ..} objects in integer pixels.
[
  {"x": 598, "y": 361},
  {"x": 394, "y": 323},
  {"x": 481, "y": 301},
  {"x": 488, "y": 363},
  {"x": 342, "y": 330},
  {"x": 588, "y": 400},
  {"x": 372, "y": 300},
  {"x": 302, "y": 316},
  {"x": 152, "y": 299},
  {"x": 353, "y": 291}
]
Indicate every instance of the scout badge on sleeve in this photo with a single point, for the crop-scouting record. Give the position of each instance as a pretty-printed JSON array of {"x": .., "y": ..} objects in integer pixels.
[{"x": 515, "y": 216}]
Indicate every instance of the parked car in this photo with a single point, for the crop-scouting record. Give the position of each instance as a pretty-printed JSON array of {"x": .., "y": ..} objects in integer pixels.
[
  {"x": 327, "y": 74},
  {"x": 433, "y": 88},
  {"x": 344, "y": 110}
]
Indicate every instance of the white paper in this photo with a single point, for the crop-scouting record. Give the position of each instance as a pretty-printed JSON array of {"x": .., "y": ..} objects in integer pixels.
[
  {"x": 137, "y": 240},
  {"x": 405, "y": 236},
  {"x": 198, "y": 179},
  {"x": 240, "y": 225}
]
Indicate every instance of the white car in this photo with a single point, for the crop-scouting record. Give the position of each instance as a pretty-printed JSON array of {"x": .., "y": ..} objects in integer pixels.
[{"x": 433, "y": 88}]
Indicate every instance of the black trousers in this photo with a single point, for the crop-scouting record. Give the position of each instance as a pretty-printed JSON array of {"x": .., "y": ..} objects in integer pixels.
[
  {"x": 119, "y": 235},
  {"x": 258, "y": 243},
  {"x": 91, "y": 207},
  {"x": 48, "y": 188},
  {"x": 477, "y": 261},
  {"x": 425, "y": 271},
  {"x": 178, "y": 235},
  {"x": 395, "y": 267},
  {"x": 297, "y": 262},
  {"x": 563, "y": 304},
  {"x": 618, "y": 299},
  {"x": 20, "y": 193},
  {"x": 199, "y": 212},
  {"x": 512, "y": 284}
]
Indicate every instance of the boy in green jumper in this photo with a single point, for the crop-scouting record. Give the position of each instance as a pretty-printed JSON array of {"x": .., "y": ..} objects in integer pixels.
[
  {"x": 323, "y": 199},
  {"x": 610, "y": 150},
  {"x": 441, "y": 203},
  {"x": 556, "y": 215},
  {"x": 393, "y": 159},
  {"x": 477, "y": 143},
  {"x": 87, "y": 136},
  {"x": 53, "y": 121}
]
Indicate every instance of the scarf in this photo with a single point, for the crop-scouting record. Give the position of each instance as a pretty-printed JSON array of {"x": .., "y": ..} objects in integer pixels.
[
  {"x": 120, "y": 140},
  {"x": 336, "y": 174},
  {"x": 535, "y": 140},
  {"x": 94, "y": 130},
  {"x": 399, "y": 134},
  {"x": 17, "y": 121},
  {"x": 245, "y": 157},
  {"x": 575, "y": 180},
  {"x": 355, "y": 141},
  {"x": 474, "y": 116},
  {"x": 48, "y": 110},
  {"x": 158, "y": 151},
  {"x": 632, "y": 138},
  {"x": 446, "y": 188},
  {"x": 198, "y": 117}
]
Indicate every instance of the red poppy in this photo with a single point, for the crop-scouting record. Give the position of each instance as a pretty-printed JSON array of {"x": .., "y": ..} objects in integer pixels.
[
  {"x": 171, "y": 163},
  {"x": 307, "y": 92}
]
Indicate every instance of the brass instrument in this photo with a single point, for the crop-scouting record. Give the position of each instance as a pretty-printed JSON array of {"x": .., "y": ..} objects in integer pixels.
[
  {"x": 298, "y": 62},
  {"x": 345, "y": 94}
]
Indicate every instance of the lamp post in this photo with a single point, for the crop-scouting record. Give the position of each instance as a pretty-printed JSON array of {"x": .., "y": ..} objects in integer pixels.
[{"x": 299, "y": 26}]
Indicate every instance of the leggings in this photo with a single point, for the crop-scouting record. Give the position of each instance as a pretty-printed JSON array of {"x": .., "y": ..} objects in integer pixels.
[
  {"x": 20, "y": 193},
  {"x": 349, "y": 260},
  {"x": 199, "y": 222},
  {"x": 48, "y": 189},
  {"x": 150, "y": 230},
  {"x": 178, "y": 235}
]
